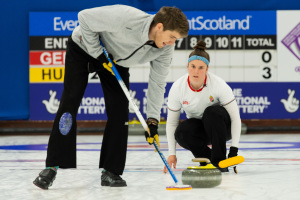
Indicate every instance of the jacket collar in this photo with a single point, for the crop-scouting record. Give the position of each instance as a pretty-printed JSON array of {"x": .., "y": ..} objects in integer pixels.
[{"x": 146, "y": 27}]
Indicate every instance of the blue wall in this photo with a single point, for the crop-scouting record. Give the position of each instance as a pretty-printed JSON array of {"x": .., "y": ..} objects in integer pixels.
[{"x": 14, "y": 52}]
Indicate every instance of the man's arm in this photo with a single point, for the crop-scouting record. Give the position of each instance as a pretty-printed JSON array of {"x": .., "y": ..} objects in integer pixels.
[{"x": 157, "y": 83}]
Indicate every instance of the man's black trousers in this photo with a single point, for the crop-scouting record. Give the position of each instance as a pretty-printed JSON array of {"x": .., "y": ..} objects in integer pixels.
[
  {"x": 214, "y": 128},
  {"x": 62, "y": 148}
]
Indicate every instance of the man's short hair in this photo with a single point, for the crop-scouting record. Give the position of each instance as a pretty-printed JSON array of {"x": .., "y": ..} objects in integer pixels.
[{"x": 173, "y": 19}]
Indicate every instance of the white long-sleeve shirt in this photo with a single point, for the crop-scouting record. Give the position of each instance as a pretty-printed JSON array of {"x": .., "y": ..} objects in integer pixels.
[{"x": 216, "y": 92}]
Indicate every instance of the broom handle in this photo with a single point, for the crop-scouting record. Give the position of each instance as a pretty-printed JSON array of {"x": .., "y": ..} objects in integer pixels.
[{"x": 137, "y": 111}]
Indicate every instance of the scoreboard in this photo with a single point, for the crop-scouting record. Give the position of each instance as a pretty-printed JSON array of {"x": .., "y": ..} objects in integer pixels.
[
  {"x": 256, "y": 52},
  {"x": 242, "y": 45},
  {"x": 233, "y": 52}
]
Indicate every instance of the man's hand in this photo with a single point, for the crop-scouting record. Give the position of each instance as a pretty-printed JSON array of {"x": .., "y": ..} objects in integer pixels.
[
  {"x": 153, "y": 126},
  {"x": 103, "y": 63},
  {"x": 172, "y": 161}
]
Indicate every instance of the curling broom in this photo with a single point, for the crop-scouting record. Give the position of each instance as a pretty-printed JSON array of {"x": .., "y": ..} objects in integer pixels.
[{"x": 143, "y": 122}]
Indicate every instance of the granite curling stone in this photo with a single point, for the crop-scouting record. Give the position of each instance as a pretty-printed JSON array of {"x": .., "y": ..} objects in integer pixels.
[{"x": 202, "y": 176}]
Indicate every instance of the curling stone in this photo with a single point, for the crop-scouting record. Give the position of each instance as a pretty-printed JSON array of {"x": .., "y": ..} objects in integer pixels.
[{"x": 202, "y": 176}]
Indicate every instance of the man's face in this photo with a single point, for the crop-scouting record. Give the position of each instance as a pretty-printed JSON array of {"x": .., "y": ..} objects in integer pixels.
[{"x": 163, "y": 38}]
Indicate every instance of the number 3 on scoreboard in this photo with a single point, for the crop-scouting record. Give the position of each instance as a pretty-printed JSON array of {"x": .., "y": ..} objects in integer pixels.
[
  {"x": 267, "y": 68},
  {"x": 266, "y": 74}
]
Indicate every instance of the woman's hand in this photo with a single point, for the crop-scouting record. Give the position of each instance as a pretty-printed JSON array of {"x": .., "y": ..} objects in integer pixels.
[{"x": 172, "y": 161}]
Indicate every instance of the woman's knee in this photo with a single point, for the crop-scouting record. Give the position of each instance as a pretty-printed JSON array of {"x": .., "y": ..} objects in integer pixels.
[
  {"x": 189, "y": 126},
  {"x": 214, "y": 113},
  {"x": 188, "y": 129}
]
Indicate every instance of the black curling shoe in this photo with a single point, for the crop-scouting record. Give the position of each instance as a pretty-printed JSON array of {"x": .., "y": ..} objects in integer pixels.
[
  {"x": 45, "y": 179},
  {"x": 221, "y": 169},
  {"x": 112, "y": 180}
]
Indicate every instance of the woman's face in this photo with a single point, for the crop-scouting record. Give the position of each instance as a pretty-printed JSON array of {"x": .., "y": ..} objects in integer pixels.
[{"x": 197, "y": 70}]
